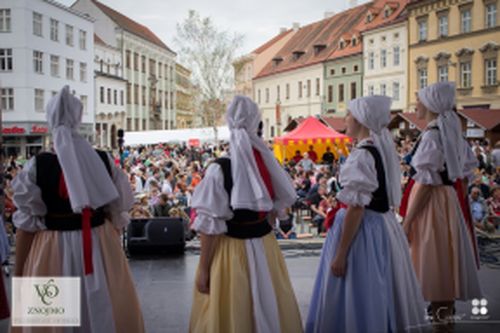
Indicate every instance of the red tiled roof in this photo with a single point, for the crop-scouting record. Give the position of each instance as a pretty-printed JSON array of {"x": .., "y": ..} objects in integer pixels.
[
  {"x": 337, "y": 123},
  {"x": 131, "y": 26},
  {"x": 485, "y": 118},
  {"x": 271, "y": 42},
  {"x": 420, "y": 124},
  {"x": 325, "y": 32},
  {"x": 379, "y": 20}
]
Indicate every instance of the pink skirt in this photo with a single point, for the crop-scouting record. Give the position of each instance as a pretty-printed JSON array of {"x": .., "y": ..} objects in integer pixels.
[{"x": 441, "y": 249}]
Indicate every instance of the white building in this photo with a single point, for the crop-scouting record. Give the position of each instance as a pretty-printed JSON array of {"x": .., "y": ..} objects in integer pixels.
[
  {"x": 110, "y": 86},
  {"x": 385, "y": 55},
  {"x": 43, "y": 46},
  {"x": 149, "y": 67}
]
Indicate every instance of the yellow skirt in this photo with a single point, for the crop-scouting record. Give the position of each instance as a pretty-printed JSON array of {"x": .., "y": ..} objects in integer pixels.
[{"x": 228, "y": 307}]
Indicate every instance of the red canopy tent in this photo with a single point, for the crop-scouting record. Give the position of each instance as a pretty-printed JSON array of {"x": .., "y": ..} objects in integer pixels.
[{"x": 310, "y": 132}]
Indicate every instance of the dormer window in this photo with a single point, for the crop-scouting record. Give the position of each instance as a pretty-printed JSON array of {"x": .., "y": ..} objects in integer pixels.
[
  {"x": 277, "y": 60},
  {"x": 297, "y": 54},
  {"x": 318, "y": 48},
  {"x": 354, "y": 41},
  {"x": 387, "y": 12},
  {"x": 341, "y": 44},
  {"x": 369, "y": 18}
]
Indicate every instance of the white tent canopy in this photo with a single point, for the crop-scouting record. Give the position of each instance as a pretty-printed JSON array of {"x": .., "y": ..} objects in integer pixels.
[{"x": 176, "y": 136}]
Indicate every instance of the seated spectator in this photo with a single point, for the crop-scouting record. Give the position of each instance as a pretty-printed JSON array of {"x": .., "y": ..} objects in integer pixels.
[
  {"x": 312, "y": 154},
  {"x": 478, "y": 182},
  {"x": 285, "y": 228},
  {"x": 296, "y": 159},
  {"x": 328, "y": 156},
  {"x": 319, "y": 207},
  {"x": 479, "y": 210},
  {"x": 162, "y": 207},
  {"x": 138, "y": 211},
  {"x": 334, "y": 207},
  {"x": 154, "y": 193},
  {"x": 305, "y": 186},
  {"x": 306, "y": 163},
  {"x": 494, "y": 207}
]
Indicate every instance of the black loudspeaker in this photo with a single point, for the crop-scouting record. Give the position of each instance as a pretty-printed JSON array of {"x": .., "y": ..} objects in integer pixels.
[{"x": 160, "y": 235}]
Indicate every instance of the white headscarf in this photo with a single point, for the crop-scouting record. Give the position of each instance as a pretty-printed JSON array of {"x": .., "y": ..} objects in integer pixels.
[
  {"x": 374, "y": 112},
  {"x": 249, "y": 190},
  {"x": 440, "y": 98},
  {"x": 87, "y": 179}
]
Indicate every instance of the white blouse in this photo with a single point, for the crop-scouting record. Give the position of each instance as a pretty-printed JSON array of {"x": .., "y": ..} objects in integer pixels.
[
  {"x": 358, "y": 177},
  {"x": 211, "y": 202},
  {"x": 429, "y": 161},
  {"x": 31, "y": 209}
]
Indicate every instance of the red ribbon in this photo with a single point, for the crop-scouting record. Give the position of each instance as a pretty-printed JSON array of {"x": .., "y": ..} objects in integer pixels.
[
  {"x": 403, "y": 208},
  {"x": 87, "y": 240}
]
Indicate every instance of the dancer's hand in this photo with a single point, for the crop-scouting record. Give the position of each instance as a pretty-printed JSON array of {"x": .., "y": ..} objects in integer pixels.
[
  {"x": 339, "y": 265},
  {"x": 203, "y": 282}
]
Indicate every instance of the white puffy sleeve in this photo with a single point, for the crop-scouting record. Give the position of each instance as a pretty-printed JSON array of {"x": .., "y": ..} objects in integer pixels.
[
  {"x": 119, "y": 208},
  {"x": 358, "y": 177},
  {"x": 211, "y": 202},
  {"x": 470, "y": 161},
  {"x": 31, "y": 210},
  {"x": 428, "y": 160}
]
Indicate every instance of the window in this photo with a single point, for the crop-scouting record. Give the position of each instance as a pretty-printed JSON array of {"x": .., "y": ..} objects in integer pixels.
[
  {"x": 355, "y": 68},
  {"x": 39, "y": 103},
  {"x": 152, "y": 66},
  {"x": 443, "y": 73},
  {"x": 287, "y": 92},
  {"x": 278, "y": 95},
  {"x": 69, "y": 69},
  {"x": 300, "y": 89},
  {"x": 143, "y": 90},
  {"x": 422, "y": 30},
  {"x": 317, "y": 86},
  {"x": 5, "y": 60},
  {"x": 330, "y": 94},
  {"x": 308, "y": 88},
  {"x": 7, "y": 95},
  {"x": 83, "y": 40},
  {"x": 38, "y": 62},
  {"x": 383, "y": 58},
  {"x": 54, "y": 65},
  {"x": 129, "y": 94},
  {"x": 422, "y": 78},
  {"x": 466, "y": 20},
  {"x": 387, "y": 13},
  {"x": 465, "y": 75},
  {"x": 491, "y": 15},
  {"x": 371, "y": 60},
  {"x": 343, "y": 70},
  {"x": 37, "y": 24},
  {"x": 160, "y": 68},
  {"x": 69, "y": 35},
  {"x": 272, "y": 131},
  {"x": 341, "y": 93},
  {"x": 396, "y": 35},
  {"x": 83, "y": 72},
  {"x": 127, "y": 59},
  {"x": 332, "y": 72},
  {"x": 383, "y": 89},
  {"x": 267, "y": 95},
  {"x": 395, "y": 91},
  {"x": 101, "y": 95},
  {"x": 53, "y": 93},
  {"x": 143, "y": 64},
  {"x": 443, "y": 25},
  {"x": 371, "y": 91},
  {"x": 258, "y": 96},
  {"x": 396, "y": 55},
  {"x": 353, "y": 90},
  {"x": 83, "y": 99},
  {"x": 109, "y": 95},
  {"x": 4, "y": 20},
  {"x": 121, "y": 97},
  {"x": 54, "y": 30},
  {"x": 115, "y": 97},
  {"x": 490, "y": 67}
]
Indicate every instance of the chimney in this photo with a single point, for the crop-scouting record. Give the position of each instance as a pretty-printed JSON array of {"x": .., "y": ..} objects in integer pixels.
[
  {"x": 295, "y": 26},
  {"x": 329, "y": 14},
  {"x": 283, "y": 30}
]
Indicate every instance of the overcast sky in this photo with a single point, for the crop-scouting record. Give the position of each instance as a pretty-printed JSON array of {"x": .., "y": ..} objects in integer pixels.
[{"x": 257, "y": 20}]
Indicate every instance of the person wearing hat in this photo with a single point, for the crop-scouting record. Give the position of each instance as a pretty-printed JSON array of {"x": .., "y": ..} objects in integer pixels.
[
  {"x": 365, "y": 280},
  {"x": 442, "y": 248},
  {"x": 242, "y": 283},
  {"x": 71, "y": 207}
]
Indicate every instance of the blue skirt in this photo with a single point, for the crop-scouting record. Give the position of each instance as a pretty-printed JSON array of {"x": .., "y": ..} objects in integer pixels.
[{"x": 379, "y": 292}]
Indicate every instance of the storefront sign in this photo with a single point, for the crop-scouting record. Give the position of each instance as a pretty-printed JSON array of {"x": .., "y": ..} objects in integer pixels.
[
  {"x": 475, "y": 133},
  {"x": 39, "y": 129},
  {"x": 13, "y": 130}
]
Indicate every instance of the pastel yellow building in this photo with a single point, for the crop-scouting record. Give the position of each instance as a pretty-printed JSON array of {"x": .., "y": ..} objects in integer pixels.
[{"x": 455, "y": 40}]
